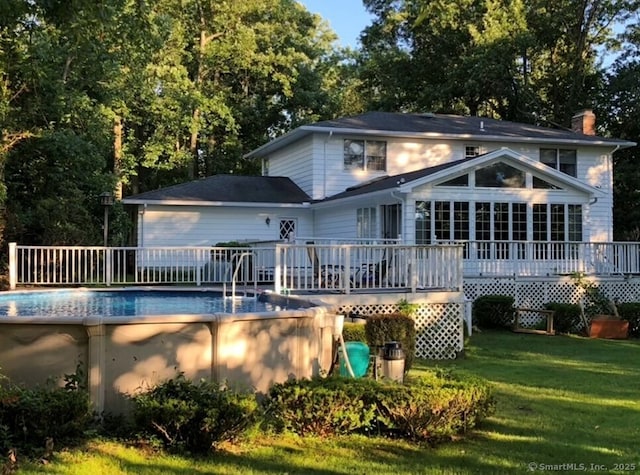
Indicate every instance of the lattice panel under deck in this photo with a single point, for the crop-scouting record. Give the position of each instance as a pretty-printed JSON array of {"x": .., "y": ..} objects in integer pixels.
[
  {"x": 439, "y": 330},
  {"x": 490, "y": 286},
  {"x": 439, "y": 333},
  {"x": 536, "y": 293}
]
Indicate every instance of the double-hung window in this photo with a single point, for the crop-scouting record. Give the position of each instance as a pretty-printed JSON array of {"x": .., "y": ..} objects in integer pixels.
[
  {"x": 561, "y": 159},
  {"x": 365, "y": 155}
]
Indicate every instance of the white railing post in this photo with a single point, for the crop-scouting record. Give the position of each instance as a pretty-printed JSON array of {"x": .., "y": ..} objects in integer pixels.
[
  {"x": 196, "y": 267},
  {"x": 413, "y": 262},
  {"x": 108, "y": 268},
  {"x": 277, "y": 272},
  {"x": 346, "y": 277},
  {"x": 13, "y": 265},
  {"x": 459, "y": 277}
]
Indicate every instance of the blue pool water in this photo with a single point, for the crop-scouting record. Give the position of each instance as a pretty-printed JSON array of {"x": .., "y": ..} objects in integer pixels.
[{"x": 82, "y": 304}]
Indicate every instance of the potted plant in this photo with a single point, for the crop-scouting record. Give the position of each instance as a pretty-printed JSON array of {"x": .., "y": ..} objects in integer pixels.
[
  {"x": 609, "y": 326},
  {"x": 605, "y": 320}
]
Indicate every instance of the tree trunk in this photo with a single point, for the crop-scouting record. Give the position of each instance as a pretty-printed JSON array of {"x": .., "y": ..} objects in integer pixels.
[{"x": 117, "y": 156}]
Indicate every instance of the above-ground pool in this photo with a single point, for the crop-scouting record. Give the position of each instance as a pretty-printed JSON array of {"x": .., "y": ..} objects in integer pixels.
[
  {"x": 128, "y": 339},
  {"x": 92, "y": 303}
]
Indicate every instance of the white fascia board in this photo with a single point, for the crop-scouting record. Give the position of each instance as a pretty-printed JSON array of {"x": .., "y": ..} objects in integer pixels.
[
  {"x": 234, "y": 204},
  {"x": 280, "y": 142},
  {"x": 355, "y": 198},
  {"x": 473, "y": 137},
  {"x": 304, "y": 130}
]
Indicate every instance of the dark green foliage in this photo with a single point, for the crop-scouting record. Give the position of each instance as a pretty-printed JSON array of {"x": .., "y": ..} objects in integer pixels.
[
  {"x": 54, "y": 194},
  {"x": 494, "y": 311},
  {"x": 566, "y": 317},
  {"x": 631, "y": 312},
  {"x": 319, "y": 406},
  {"x": 30, "y": 417},
  {"x": 430, "y": 408},
  {"x": 393, "y": 327},
  {"x": 194, "y": 417},
  {"x": 354, "y": 332},
  {"x": 431, "y": 412}
]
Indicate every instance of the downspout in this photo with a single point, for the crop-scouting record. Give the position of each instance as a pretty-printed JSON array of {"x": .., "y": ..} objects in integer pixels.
[
  {"x": 610, "y": 174},
  {"x": 324, "y": 165},
  {"x": 141, "y": 213},
  {"x": 402, "y": 209}
]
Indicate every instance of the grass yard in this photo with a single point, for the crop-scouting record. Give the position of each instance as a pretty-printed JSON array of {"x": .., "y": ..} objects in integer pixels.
[{"x": 561, "y": 401}]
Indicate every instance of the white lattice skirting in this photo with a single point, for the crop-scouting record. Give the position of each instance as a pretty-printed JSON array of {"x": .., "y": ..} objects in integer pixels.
[
  {"x": 439, "y": 330},
  {"x": 439, "y": 319},
  {"x": 536, "y": 292}
]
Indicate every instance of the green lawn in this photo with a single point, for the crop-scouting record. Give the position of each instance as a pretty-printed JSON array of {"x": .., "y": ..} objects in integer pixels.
[{"x": 561, "y": 400}]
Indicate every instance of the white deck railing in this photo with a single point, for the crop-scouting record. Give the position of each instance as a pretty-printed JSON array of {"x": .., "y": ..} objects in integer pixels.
[
  {"x": 519, "y": 258},
  {"x": 349, "y": 268},
  {"x": 289, "y": 267},
  {"x": 318, "y": 266}
]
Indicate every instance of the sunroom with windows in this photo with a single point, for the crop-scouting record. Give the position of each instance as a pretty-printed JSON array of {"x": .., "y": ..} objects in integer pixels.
[{"x": 507, "y": 208}]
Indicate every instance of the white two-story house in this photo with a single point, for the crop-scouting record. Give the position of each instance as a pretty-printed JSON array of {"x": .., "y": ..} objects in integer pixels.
[{"x": 507, "y": 190}]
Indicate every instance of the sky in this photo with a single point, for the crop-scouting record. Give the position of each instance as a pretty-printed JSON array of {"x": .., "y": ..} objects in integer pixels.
[{"x": 346, "y": 17}]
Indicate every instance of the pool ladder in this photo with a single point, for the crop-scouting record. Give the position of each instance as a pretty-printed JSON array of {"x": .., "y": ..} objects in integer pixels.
[{"x": 234, "y": 279}]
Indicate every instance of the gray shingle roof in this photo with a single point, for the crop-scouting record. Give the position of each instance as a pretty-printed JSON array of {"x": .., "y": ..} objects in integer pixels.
[
  {"x": 429, "y": 125},
  {"x": 453, "y": 125},
  {"x": 388, "y": 182},
  {"x": 228, "y": 188}
]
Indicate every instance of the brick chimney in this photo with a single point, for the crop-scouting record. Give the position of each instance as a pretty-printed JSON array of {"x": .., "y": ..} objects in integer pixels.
[{"x": 584, "y": 122}]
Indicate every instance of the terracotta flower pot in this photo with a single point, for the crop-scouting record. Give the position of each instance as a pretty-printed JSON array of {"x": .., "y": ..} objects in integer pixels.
[{"x": 605, "y": 326}]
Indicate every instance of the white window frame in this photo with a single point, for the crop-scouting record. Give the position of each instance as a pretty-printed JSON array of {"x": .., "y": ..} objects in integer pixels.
[
  {"x": 354, "y": 160},
  {"x": 477, "y": 150},
  {"x": 559, "y": 162},
  {"x": 366, "y": 223}
]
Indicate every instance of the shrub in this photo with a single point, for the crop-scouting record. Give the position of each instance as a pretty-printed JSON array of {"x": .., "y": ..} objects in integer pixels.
[
  {"x": 494, "y": 311},
  {"x": 427, "y": 412},
  {"x": 566, "y": 317},
  {"x": 194, "y": 417},
  {"x": 31, "y": 417},
  {"x": 354, "y": 332},
  {"x": 631, "y": 312},
  {"x": 393, "y": 327},
  {"x": 317, "y": 406},
  {"x": 430, "y": 408}
]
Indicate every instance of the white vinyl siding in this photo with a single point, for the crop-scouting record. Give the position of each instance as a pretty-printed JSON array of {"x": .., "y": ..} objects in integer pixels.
[
  {"x": 316, "y": 164},
  {"x": 169, "y": 226},
  {"x": 297, "y": 161}
]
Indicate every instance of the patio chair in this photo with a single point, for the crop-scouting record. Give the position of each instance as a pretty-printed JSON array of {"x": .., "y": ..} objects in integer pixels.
[
  {"x": 372, "y": 274},
  {"x": 324, "y": 275}
]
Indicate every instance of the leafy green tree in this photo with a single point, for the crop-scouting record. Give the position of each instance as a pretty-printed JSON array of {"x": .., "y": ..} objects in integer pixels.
[
  {"x": 619, "y": 109},
  {"x": 530, "y": 61},
  {"x": 53, "y": 185}
]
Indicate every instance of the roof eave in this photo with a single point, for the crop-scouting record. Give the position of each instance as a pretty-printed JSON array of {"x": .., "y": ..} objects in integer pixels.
[
  {"x": 305, "y": 130},
  {"x": 330, "y": 201},
  {"x": 237, "y": 204}
]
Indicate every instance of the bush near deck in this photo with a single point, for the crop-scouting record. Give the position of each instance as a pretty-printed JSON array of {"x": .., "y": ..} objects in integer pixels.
[{"x": 429, "y": 409}]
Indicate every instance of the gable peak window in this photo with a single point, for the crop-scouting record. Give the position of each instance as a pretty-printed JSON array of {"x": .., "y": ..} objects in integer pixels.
[
  {"x": 365, "y": 155},
  {"x": 500, "y": 175},
  {"x": 564, "y": 160}
]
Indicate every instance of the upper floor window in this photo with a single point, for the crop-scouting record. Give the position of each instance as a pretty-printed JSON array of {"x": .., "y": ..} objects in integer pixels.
[
  {"x": 560, "y": 159},
  {"x": 471, "y": 151},
  {"x": 365, "y": 155}
]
